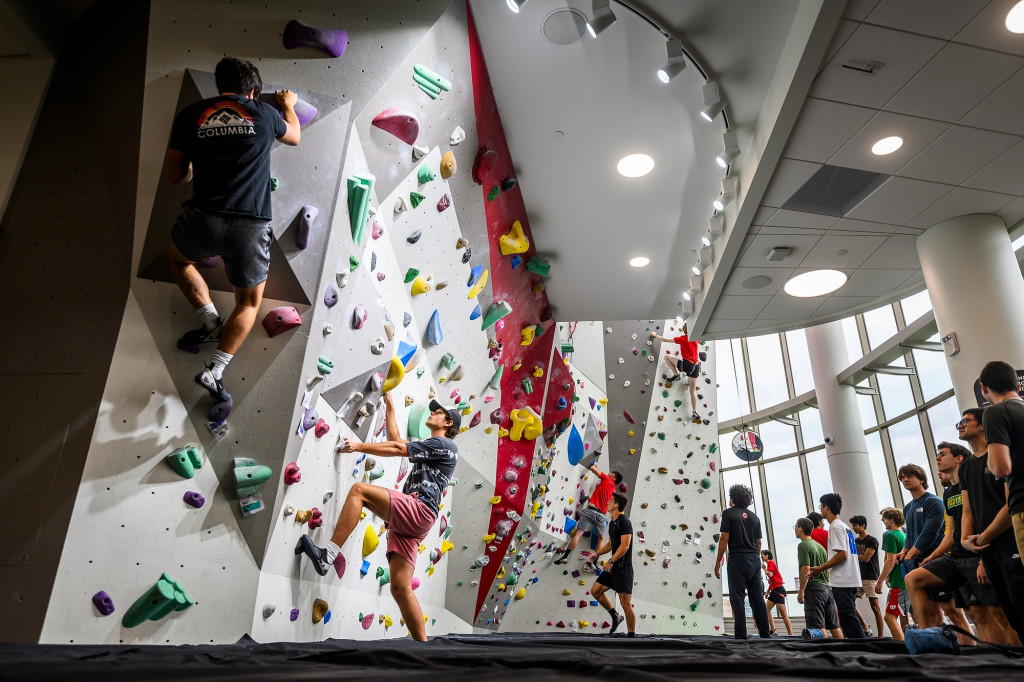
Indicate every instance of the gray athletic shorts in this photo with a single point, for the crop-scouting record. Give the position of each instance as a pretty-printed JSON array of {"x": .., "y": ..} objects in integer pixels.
[
  {"x": 592, "y": 519},
  {"x": 242, "y": 242},
  {"x": 820, "y": 607}
]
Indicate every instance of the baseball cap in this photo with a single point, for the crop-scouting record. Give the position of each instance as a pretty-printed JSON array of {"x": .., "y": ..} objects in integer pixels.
[{"x": 452, "y": 412}]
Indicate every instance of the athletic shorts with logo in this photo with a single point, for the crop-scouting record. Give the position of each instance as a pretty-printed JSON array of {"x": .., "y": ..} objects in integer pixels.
[
  {"x": 898, "y": 602},
  {"x": 687, "y": 368}
]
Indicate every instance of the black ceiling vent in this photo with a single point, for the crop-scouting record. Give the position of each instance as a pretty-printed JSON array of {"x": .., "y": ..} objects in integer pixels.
[{"x": 834, "y": 190}]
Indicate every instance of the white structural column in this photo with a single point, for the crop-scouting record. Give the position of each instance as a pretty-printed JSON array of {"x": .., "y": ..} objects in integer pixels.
[
  {"x": 977, "y": 291},
  {"x": 840, "y": 421}
]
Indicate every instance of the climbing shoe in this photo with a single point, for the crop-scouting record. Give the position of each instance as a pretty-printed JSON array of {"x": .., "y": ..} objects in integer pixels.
[
  {"x": 212, "y": 384},
  {"x": 617, "y": 619},
  {"x": 317, "y": 555},
  {"x": 564, "y": 558},
  {"x": 672, "y": 378},
  {"x": 191, "y": 341}
]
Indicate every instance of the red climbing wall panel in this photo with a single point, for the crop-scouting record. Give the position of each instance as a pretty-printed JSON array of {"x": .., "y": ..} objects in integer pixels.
[{"x": 514, "y": 285}]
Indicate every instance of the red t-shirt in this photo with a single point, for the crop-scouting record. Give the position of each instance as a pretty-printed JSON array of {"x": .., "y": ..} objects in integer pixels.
[
  {"x": 820, "y": 535},
  {"x": 687, "y": 348},
  {"x": 774, "y": 579},
  {"x": 603, "y": 493}
]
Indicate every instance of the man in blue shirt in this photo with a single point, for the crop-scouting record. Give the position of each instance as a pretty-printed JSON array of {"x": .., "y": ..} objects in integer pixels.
[{"x": 925, "y": 515}]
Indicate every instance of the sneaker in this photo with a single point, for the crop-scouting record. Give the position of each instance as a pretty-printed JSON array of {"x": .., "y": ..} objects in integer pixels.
[
  {"x": 191, "y": 341},
  {"x": 869, "y": 633},
  {"x": 673, "y": 378},
  {"x": 317, "y": 555},
  {"x": 617, "y": 619},
  {"x": 564, "y": 558},
  {"x": 212, "y": 384},
  {"x": 773, "y": 633},
  {"x": 695, "y": 416}
]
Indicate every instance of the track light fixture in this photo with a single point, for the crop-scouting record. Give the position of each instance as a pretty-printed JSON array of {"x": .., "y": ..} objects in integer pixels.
[
  {"x": 676, "y": 61},
  {"x": 603, "y": 18},
  {"x": 727, "y": 195},
  {"x": 713, "y": 103},
  {"x": 515, "y": 5},
  {"x": 732, "y": 149}
]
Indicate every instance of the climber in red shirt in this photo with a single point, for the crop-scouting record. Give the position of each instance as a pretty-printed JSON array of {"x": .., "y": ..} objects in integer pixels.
[
  {"x": 688, "y": 364},
  {"x": 593, "y": 517}
]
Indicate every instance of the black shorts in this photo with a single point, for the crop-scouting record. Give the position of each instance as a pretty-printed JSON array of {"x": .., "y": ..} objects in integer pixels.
[
  {"x": 619, "y": 580},
  {"x": 242, "y": 242},
  {"x": 962, "y": 577},
  {"x": 687, "y": 368},
  {"x": 777, "y": 595}
]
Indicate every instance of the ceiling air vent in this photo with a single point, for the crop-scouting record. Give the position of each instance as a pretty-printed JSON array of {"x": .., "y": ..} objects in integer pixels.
[{"x": 834, "y": 190}]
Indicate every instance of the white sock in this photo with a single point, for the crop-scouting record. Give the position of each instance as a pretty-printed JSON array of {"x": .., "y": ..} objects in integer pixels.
[
  {"x": 209, "y": 315},
  {"x": 219, "y": 361},
  {"x": 332, "y": 552}
]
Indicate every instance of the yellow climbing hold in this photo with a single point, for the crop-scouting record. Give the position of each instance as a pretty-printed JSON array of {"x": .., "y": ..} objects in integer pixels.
[
  {"x": 630, "y": 434},
  {"x": 526, "y": 423},
  {"x": 496, "y": 499},
  {"x": 515, "y": 241},
  {"x": 515, "y": 367},
  {"x": 448, "y": 164},
  {"x": 566, "y": 593},
  {"x": 632, "y": 451},
  {"x": 430, "y": 570},
  {"x": 419, "y": 286},
  {"x": 501, "y": 573},
  {"x": 535, "y": 509},
  {"x": 502, "y": 432},
  {"x": 479, "y": 286},
  {"x": 370, "y": 541},
  {"x": 583, "y": 623},
  {"x": 570, "y": 500},
  {"x": 491, "y": 536},
  {"x": 528, "y": 334},
  {"x": 521, "y": 593},
  {"x": 501, "y": 588},
  {"x": 445, "y": 546},
  {"x": 538, "y": 371},
  {"x": 362, "y": 514},
  {"x": 489, "y": 429},
  {"x": 421, "y": 548},
  {"x": 396, "y": 372},
  {"x": 388, "y": 622},
  {"x": 603, "y": 401}
]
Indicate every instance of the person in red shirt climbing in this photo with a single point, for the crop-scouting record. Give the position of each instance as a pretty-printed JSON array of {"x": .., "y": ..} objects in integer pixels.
[
  {"x": 776, "y": 594},
  {"x": 594, "y": 516},
  {"x": 688, "y": 364}
]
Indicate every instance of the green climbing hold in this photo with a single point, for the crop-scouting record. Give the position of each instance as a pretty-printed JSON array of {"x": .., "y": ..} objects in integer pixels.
[
  {"x": 410, "y": 274},
  {"x": 360, "y": 187},
  {"x": 527, "y": 385},
  {"x": 493, "y": 194},
  {"x": 664, "y": 394},
  {"x": 417, "y": 425},
  {"x": 353, "y": 263},
  {"x": 415, "y": 198},
  {"x": 323, "y": 365},
  {"x": 432, "y": 77},
  {"x": 714, "y": 448},
  {"x": 539, "y": 266},
  {"x": 661, "y": 435},
  {"x": 512, "y": 580},
  {"x": 705, "y": 483},
  {"x": 274, "y": 184},
  {"x": 424, "y": 175},
  {"x": 459, "y": 583},
  {"x": 495, "y": 382},
  {"x": 383, "y": 575},
  {"x": 185, "y": 461},
  {"x": 448, "y": 361},
  {"x": 498, "y": 310},
  {"x": 568, "y": 348},
  {"x": 678, "y": 403},
  {"x": 644, "y": 352},
  {"x": 694, "y": 605}
]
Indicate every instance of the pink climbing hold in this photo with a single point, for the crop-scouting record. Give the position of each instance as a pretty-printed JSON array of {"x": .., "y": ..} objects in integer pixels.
[
  {"x": 377, "y": 230},
  {"x": 442, "y": 526},
  {"x": 712, "y": 465},
  {"x": 475, "y": 421},
  {"x": 415, "y": 582},
  {"x": 367, "y": 621},
  {"x": 339, "y": 564},
  {"x": 484, "y": 162},
  {"x": 316, "y": 520},
  {"x": 280, "y": 320},
  {"x": 291, "y": 473},
  {"x": 358, "y": 316},
  {"x": 628, "y": 417},
  {"x": 443, "y": 203},
  {"x": 715, "y": 518},
  {"x": 321, "y": 428},
  {"x": 332, "y": 41},
  {"x": 399, "y": 122}
]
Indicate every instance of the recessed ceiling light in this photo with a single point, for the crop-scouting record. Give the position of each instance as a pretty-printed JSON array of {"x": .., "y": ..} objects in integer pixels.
[
  {"x": 815, "y": 283},
  {"x": 635, "y": 165},
  {"x": 639, "y": 261},
  {"x": 887, "y": 145},
  {"x": 1015, "y": 18}
]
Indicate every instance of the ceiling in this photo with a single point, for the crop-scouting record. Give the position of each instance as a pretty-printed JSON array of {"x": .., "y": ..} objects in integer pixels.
[{"x": 602, "y": 95}]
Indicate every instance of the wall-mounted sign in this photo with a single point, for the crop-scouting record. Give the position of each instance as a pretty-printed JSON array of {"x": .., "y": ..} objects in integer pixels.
[{"x": 747, "y": 446}]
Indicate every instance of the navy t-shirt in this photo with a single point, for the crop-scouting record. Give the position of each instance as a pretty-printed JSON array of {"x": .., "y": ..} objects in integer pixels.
[
  {"x": 433, "y": 463},
  {"x": 228, "y": 140},
  {"x": 744, "y": 529}
]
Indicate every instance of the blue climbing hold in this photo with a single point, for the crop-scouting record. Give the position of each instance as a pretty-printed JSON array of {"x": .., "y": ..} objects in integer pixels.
[
  {"x": 517, "y": 260},
  {"x": 405, "y": 352},
  {"x": 474, "y": 275},
  {"x": 570, "y": 523},
  {"x": 476, "y": 312},
  {"x": 365, "y": 568},
  {"x": 327, "y": 616},
  {"x": 575, "y": 446},
  {"x": 562, "y": 403},
  {"x": 434, "y": 334}
]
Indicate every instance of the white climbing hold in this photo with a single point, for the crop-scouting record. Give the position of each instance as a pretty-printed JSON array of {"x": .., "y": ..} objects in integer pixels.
[
  {"x": 377, "y": 347},
  {"x": 328, "y": 329},
  {"x": 458, "y": 135},
  {"x": 625, "y": 384},
  {"x": 268, "y": 609},
  {"x": 401, "y": 205},
  {"x": 289, "y": 509},
  {"x": 328, "y": 495},
  {"x": 342, "y": 278},
  {"x": 419, "y": 151}
]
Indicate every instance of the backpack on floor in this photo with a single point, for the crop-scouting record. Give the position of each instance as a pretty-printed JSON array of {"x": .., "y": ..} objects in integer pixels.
[{"x": 943, "y": 640}]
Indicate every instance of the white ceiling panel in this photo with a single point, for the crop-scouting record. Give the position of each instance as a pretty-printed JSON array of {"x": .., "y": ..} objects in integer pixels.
[
  {"x": 842, "y": 252},
  {"x": 898, "y": 200},
  {"x": 874, "y": 283},
  {"x": 910, "y": 230},
  {"x": 823, "y": 127},
  {"x": 763, "y": 214},
  {"x": 957, "y": 154},
  {"x": 988, "y": 29},
  {"x": 836, "y": 303},
  {"x": 786, "y": 307},
  {"x": 858, "y": 10},
  {"x": 720, "y": 326},
  {"x": 903, "y": 55},
  {"x": 774, "y": 229},
  {"x": 740, "y": 307},
  {"x": 1012, "y": 213},
  {"x": 1001, "y": 111},
  {"x": 917, "y": 134},
  {"x": 756, "y": 255},
  {"x": 1005, "y": 174},
  {"x": 898, "y": 252},
  {"x": 918, "y": 276},
  {"x": 789, "y": 176},
  {"x": 936, "y": 18},
  {"x": 843, "y": 32},
  {"x": 852, "y": 225},
  {"x": 958, "y": 202},
  {"x": 954, "y": 82},
  {"x": 786, "y": 218},
  {"x": 734, "y": 286}
]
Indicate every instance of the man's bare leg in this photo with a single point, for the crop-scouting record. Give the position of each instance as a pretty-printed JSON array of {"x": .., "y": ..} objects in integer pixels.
[
  {"x": 240, "y": 321},
  {"x": 401, "y": 590},
  {"x": 600, "y": 592},
  {"x": 188, "y": 278},
  {"x": 627, "y": 609},
  {"x": 360, "y": 495}
]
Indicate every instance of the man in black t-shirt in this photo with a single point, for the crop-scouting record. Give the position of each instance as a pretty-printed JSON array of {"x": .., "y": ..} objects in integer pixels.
[
  {"x": 950, "y": 567},
  {"x": 409, "y": 514},
  {"x": 741, "y": 534},
  {"x": 222, "y": 145},
  {"x": 617, "y": 571},
  {"x": 1004, "y": 429},
  {"x": 867, "y": 555}
]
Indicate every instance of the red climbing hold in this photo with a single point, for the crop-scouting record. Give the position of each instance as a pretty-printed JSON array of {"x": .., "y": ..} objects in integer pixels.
[
  {"x": 321, "y": 428},
  {"x": 316, "y": 520},
  {"x": 291, "y": 473},
  {"x": 485, "y": 161},
  {"x": 628, "y": 417},
  {"x": 399, "y": 122},
  {"x": 280, "y": 320}
]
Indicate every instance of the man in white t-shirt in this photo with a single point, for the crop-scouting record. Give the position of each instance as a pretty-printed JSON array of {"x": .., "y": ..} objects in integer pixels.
[{"x": 844, "y": 566}]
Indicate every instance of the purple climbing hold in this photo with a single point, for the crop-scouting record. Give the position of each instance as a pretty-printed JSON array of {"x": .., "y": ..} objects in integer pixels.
[
  {"x": 207, "y": 263},
  {"x": 331, "y": 296},
  {"x": 220, "y": 411},
  {"x": 593, "y": 403},
  {"x": 304, "y": 111},
  {"x": 103, "y": 603},
  {"x": 294, "y": 615},
  {"x": 331, "y": 41},
  {"x": 358, "y": 316},
  {"x": 443, "y": 203},
  {"x": 194, "y": 499},
  {"x": 306, "y": 219},
  {"x": 309, "y": 418}
]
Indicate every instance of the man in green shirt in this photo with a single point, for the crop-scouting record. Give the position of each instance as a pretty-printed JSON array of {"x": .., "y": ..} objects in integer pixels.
[
  {"x": 815, "y": 595},
  {"x": 898, "y": 604}
]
